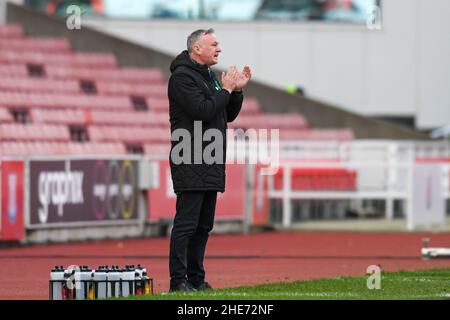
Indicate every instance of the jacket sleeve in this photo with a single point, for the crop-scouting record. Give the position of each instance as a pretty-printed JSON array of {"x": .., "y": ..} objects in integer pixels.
[
  {"x": 234, "y": 106},
  {"x": 186, "y": 93}
]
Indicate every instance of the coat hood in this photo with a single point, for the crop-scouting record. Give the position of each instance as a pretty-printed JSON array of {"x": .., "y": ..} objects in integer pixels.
[{"x": 183, "y": 59}]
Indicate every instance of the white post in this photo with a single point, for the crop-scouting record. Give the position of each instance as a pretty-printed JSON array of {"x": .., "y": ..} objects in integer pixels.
[
  {"x": 410, "y": 189},
  {"x": 392, "y": 176},
  {"x": 248, "y": 202},
  {"x": 287, "y": 209}
]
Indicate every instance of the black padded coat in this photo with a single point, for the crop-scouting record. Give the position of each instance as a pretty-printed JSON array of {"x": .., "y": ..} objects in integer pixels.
[{"x": 195, "y": 94}]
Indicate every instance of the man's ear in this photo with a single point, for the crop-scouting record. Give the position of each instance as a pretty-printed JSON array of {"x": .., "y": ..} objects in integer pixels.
[{"x": 197, "y": 48}]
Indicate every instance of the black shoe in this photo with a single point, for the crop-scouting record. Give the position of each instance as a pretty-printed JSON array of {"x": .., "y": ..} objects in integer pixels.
[
  {"x": 203, "y": 286},
  {"x": 183, "y": 287}
]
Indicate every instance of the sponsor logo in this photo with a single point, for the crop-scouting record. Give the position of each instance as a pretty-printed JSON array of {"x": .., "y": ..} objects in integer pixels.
[
  {"x": 59, "y": 188},
  {"x": 114, "y": 190}
]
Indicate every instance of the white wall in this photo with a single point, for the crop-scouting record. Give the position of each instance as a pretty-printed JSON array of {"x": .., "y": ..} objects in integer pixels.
[
  {"x": 2, "y": 11},
  {"x": 3, "y": 8},
  {"x": 434, "y": 63},
  {"x": 402, "y": 70}
]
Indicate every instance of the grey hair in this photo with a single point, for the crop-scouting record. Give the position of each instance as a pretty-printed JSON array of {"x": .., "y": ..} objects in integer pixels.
[{"x": 195, "y": 36}]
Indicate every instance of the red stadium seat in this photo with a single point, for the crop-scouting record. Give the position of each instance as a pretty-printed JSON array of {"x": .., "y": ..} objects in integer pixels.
[
  {"x": 128, "y": 135},
  {"x": 13, "y": 70},
  {"x": 13, "y": 149},
  {"x": 147, "y": 119},
  {"x": 11, "y": 31},
  {"x": 47, "y": 148},
  {"x": 49, "y": 45},
  {"x": 158, "y": 105},
  {"x": 96, "y": 148},
  {"x": 125, "y": 75},
  {"x": 67, "y": 117},
  {"x": 270, "y": 121},
  {"x": 59, "y": 148},
  {"x": 5, "y": 116},
  {"x": 122, "y": 88},
  {"x": 33, "y": 132},
  {"x": 157, "y": 150},
  {"x": 250, "y": 106},
  {"x": 143, "y": 74},
  {"x": 92, "y": 60},
  {"x": 318, "y": 179},
  {"x": 79, "y": 101},
  {"x": 25, "y": 84},
  {"x": 317, "y": 134}
]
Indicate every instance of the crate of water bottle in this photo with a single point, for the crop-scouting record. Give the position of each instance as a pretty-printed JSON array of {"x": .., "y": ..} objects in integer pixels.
[{"x": 83, "y": 283}]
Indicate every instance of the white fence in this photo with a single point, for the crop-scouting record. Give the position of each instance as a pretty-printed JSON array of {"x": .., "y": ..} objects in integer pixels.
[{"x": 385, "y": 171}]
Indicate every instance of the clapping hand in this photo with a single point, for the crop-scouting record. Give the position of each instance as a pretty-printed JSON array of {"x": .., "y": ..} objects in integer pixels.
[
  {"x": 243, "y": 78},
  {"x": 230, "y": 79}
]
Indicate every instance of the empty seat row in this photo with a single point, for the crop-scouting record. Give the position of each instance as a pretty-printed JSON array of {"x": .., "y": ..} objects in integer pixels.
[
  {"x": 13, "y": 70},
  {"x": 11, "y": 31},
  {"x": 162, "y": 105},
  {"x": 133, "y": 75},
  {"x": 250, "y": 105},
  {"x": 50, "y": 45},
  {"x": 15, "y": 78},
  {"x": 128, "y": 135},
  {"x": 87, "y": 117},
  {"x": 5, "y": 115},
  {"x": 318, "y": 179},
  {"x": 157, "y": 150},
  {"x": 33, "y": 148},
  {"x": 317, "y": 134},
  {"x": 130, "y": 118},
  {"x": 108, "y": 80},
  {"x": 270, "y": 121},
  {"x": 65, "y": 116},
  {"x": 43, "y": 75},
  {"x": 94, "y": 148},
  {"x": 82, "y": 101},
  {"x": 60, "y": 148},
  {"x": 158, "y": 104},
  {"x": 145, "y": 118},
  {"x": 26, "y": 84},
  {"x": 122, "y": 88},
  {"x": 22, "y": 99},
  {"x": 33, "y": 132},
  {"x": 86, "y": 60}
]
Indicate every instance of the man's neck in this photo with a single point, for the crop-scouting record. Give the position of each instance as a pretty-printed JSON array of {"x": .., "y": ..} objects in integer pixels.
[{"x": 197, "y": 60}]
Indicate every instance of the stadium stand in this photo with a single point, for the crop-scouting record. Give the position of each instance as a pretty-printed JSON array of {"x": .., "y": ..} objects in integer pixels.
[
  {"x": 318, "y": 179},
  {"x": 54, "y": 101}
]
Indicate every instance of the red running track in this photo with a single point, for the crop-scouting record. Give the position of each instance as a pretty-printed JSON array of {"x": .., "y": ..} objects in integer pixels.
[{"x": 232, "y": 260}]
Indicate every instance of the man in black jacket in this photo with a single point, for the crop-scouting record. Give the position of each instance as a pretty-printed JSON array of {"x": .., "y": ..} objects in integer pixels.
[{"x": 199, "y": 105}]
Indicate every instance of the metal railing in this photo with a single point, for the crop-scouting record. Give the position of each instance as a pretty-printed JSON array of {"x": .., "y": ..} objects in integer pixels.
[{"x": 385, "y": 171}]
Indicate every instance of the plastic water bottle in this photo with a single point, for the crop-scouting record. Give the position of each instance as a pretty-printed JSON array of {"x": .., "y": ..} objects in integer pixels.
[
  {"x": 56, "y": 283},
  {"x": 138, "y": 282},
  {"x": 141, "y": 280},
  {"x": 83, "y": 283},
  {"x": 146, "y": 281},
  {"x": 69, "y": 284},
  {"x": 114, "y": 276},
  {"x": 100, "y": 278},
  {"x": 91, "y": 294},
  {"x": 128, "y": 277}
]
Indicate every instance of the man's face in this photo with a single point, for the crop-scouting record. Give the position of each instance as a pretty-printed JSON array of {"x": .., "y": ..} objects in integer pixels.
[{"x": 209, "y": 49}]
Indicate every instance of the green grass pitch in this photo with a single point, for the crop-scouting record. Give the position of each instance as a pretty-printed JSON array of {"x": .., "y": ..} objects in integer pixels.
[{"x": 424, "y": 284}]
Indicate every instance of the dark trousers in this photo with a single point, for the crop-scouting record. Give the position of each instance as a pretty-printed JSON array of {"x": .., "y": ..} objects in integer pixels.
[{"x": 194, "y": 220}]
